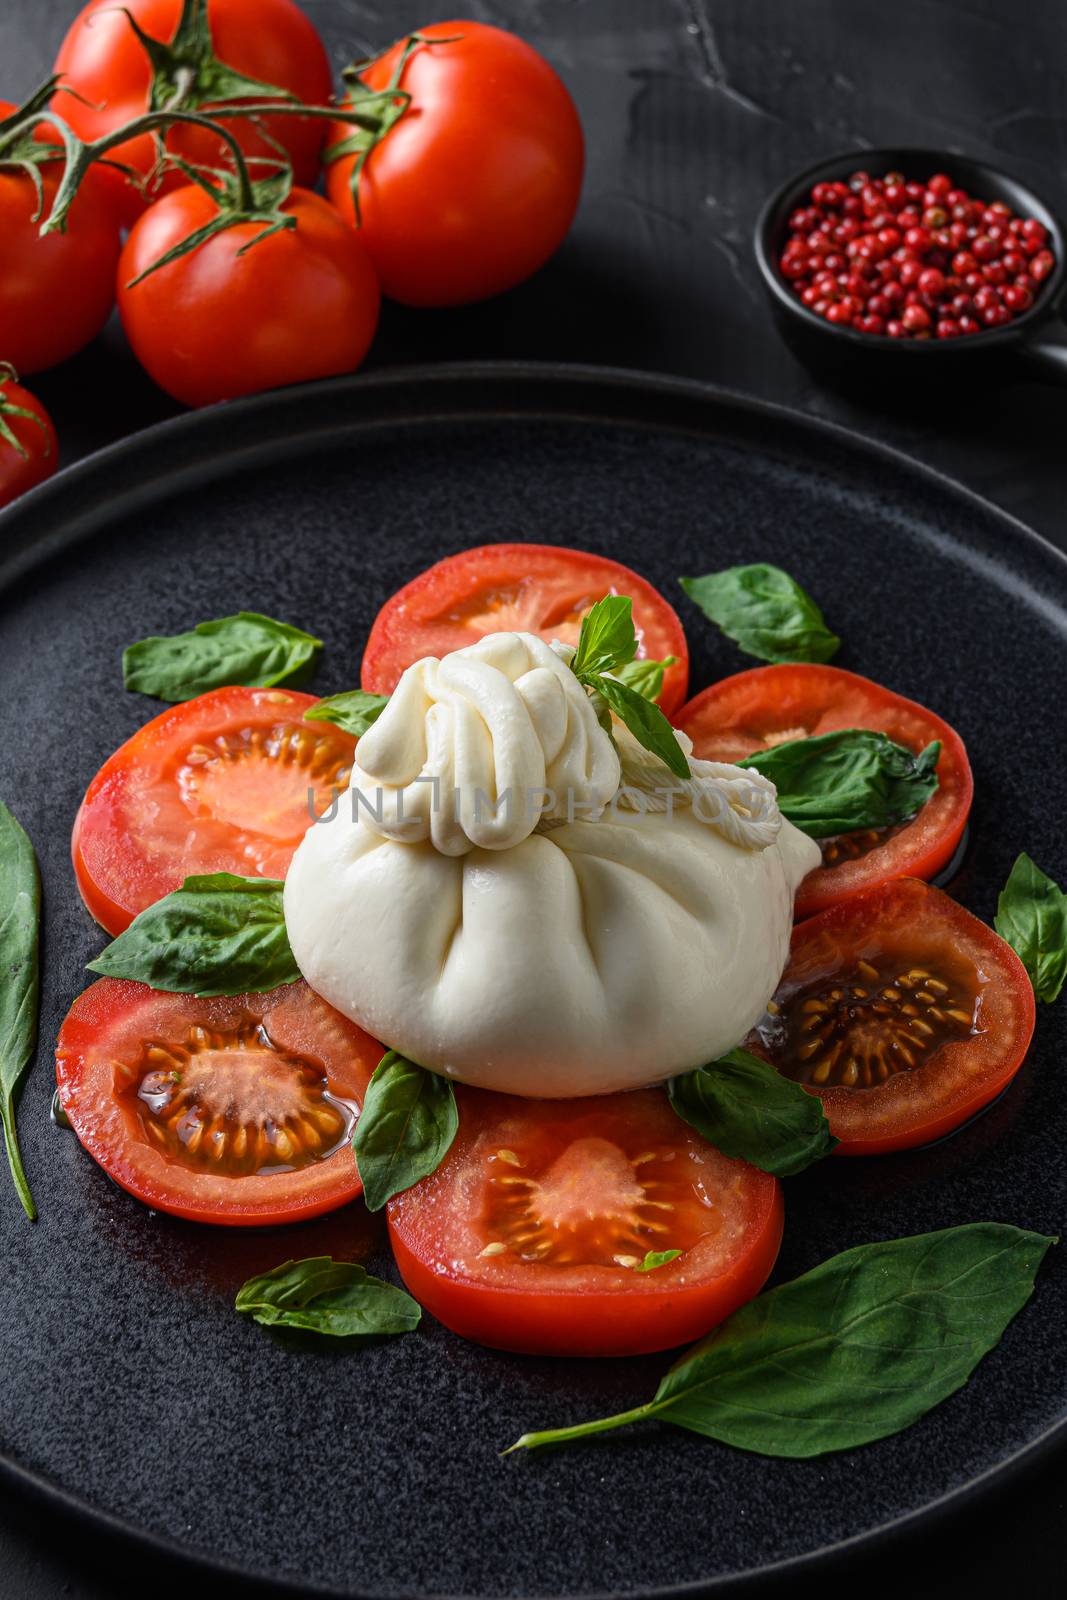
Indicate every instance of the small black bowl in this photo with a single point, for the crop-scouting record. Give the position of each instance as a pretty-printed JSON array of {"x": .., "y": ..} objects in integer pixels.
[{"x": 1037, "y": 338}]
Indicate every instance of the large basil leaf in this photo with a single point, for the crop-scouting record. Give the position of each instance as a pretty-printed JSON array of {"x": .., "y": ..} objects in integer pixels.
[
  {"x": 217, "y": 934},
  {"x": 745, "y": 1108},
  {"x": 765, "y": 611},
  {"x": 645, "y": 677},
  {"x": 645, "y": 721},
  {"x": 247, "y": 649},
  {"x": 327, "y": 1296},
  {"x": 20, "y": 919},
  {"x": 405, "y": 1129},
  {"x": 859, "y": 1348},
  {"x": 1032, "y": 917},
  {"x": 608, "y": 638},
  {"x": 354, "y": 711},
  {"x": 855, "y": 778}
]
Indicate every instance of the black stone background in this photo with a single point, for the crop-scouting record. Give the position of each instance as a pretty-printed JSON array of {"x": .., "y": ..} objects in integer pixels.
[{"x": 692, "y": 112}]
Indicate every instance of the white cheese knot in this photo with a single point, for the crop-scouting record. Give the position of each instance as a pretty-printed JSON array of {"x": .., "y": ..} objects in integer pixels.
[
  {"x": 737, "y": 803},
  {"x": 475, "y": 750}
]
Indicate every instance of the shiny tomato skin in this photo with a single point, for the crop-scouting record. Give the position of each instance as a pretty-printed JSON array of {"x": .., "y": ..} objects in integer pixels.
[
  {"x": 536, "y": 588},
  {"x": 909, "y": 922},
  {"x": 215, "y": 324},
  {"x": 148, "y": 820},
  {"x": 20, "y": 472},
  {"x": 100, "y": 1058},
  {"x": 766, "y": 705},
  {"x": 272, "y": 41},
  {"x": 57, "y": 292},
  {"x": 439, "y": 1231},
  {"x": 476, "y": 185}
]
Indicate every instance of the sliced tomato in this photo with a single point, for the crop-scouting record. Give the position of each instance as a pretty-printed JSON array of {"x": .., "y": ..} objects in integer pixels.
[
  {"x": 902, "y": 1012},
  {"x": 523, "y": 588},
  {"x": 222, "y": 783},
  {"x": 770, "y": 705},
  {"x": 237, "y": 1110},
  {"x": 531, "y": 1233}
]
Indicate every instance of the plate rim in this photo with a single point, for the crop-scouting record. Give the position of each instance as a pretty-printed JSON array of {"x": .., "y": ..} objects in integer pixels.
[{"x": 61, "y": 501}]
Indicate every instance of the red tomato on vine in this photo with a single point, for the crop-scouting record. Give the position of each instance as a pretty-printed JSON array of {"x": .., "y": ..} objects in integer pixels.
[
  {"x": 267, "y": 289},
  {"x": 471, "y": 179},
  {"x": 190, "y": 54},
  {"x": 28, "y": 449},
  {"x": 55, "y": 292}
]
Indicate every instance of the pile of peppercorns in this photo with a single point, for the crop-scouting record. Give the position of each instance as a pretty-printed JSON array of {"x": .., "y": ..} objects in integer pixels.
[{"x": 913, "y": 260}]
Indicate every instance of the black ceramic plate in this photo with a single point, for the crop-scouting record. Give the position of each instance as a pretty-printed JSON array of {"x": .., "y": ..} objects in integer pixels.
[{"x": 128, "y": 1382}]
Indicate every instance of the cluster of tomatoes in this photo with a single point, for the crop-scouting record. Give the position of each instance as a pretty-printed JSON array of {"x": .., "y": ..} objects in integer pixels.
[
  {"x": 903, "y": 1012},
  {"x": 453, "y": 164}
]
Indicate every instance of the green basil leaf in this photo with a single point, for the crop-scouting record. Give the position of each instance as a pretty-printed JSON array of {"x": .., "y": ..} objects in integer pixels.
[
  {"x": 645, "y": 721},
  {"x": 405, "y": 1129},
  {"x": 355, "y": 711},
  {"x": 327, "y": 1296},
  {"x": 854, "y": 778},
  {"x": 745, "y": 1108},
  {"x": 1032, "y": 917},
  {"x": 645, "y": 677},
  {"x": 765, "y": 611},
  {"x": 857, "y": 1349},
  {"x": 657, "y": 1258},
  {"x": 246, "y": 649},
  {"x": 217, "y": 934},
  {"x": 20, "y": 921},
  {"x": 608, "y": 639}
]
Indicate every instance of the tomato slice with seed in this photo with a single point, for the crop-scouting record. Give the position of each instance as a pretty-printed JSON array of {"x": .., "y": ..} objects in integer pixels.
[
  {"x": 769, "y": 705},
  {"x": 902, "y": 1012},
  {"x": 520, "y": 588},
  {"x": 530, "y": 1234},
  {"x": 232, "y": 1110},
  {"x": 222, "y": 783}
]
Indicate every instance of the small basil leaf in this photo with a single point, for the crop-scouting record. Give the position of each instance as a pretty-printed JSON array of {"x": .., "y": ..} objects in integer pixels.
[
  {"x": 246, "y": 649},
  {"x": 608, "y": 639},
  {"x": 645, "y": 721},
  {"x": 405, "y": 1129},
  {"x": 657, "y": 1258},
  {"x": 645, "y": 677},
  {"x": 217, "y": 934},
  {"x": 355, "y": 711},
  {"x": 1032, "y": 917},
  {"x": 857, "y": 1349},
  {"x": 327, "y": 1296},
  {"x": 20, "y": 920},
  {"x": 745, "y": 1108},
  {"x": 854, "y": 778},
  {"x": 765, "y": 611}
]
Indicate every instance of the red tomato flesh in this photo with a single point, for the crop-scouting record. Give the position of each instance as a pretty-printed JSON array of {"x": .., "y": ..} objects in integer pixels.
[
  {"x": 902, "y": 1012},
  {"x": 770, "y": 705},
  {"x": 529, "y": 1234},
  {"x": 544, "y": 589},
  {"x": 234, "y": 1110},
  {"x": 218, "y": 784}
]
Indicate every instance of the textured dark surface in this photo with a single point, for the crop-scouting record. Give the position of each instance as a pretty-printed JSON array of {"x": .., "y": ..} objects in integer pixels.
[
  {"x": 128, "y": 1378},
  {"x": 694, "y": 110}
]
